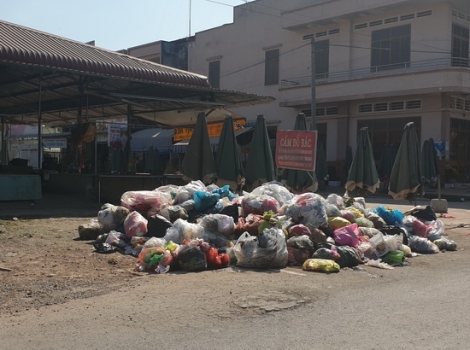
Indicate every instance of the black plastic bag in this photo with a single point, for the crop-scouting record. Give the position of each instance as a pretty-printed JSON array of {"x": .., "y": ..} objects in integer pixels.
[
  {"x": 391, "y": 230},
  {"x": 192, "y": 258},
  {"x": 157, "y": 226}
]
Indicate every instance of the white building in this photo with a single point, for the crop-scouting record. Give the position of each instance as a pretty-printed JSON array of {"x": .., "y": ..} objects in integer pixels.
[{"x": 379, "y": 63}]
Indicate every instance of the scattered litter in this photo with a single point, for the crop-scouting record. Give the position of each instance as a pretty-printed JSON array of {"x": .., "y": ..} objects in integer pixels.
[{"x": 447, "y": 216}]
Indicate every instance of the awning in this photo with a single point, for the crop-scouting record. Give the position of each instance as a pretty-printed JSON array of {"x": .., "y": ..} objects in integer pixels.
[
  {"x": 180, "y": 147},
  {"x": 160, "y": 139}
]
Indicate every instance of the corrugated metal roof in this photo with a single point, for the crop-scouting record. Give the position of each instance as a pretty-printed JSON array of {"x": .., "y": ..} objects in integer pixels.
[
  {"x": 24, "y": 45},
  {"x": 65, "y": 81}
]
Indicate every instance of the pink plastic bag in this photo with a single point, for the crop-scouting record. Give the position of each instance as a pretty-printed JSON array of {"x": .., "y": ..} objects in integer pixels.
[
  {"x": 421, "y": 229},
  {"x": 145, "y": 202},
  {"x": 135, "y": 225},
  {"x": 347, "y": 235}
]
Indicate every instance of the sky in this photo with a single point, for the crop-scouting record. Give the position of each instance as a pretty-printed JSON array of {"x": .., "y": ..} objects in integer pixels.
[{"x": 119, "y": 24}]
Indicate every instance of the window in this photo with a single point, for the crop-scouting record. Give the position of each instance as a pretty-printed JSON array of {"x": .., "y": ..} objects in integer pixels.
[
  {"x": 214, "y": 74},
  {"x": 322, "y": 58},
  {"x": 271, "y": 68},
  {"x": 321, "y": 111},
  {"x": 460, "y": 36},
  {"x": 391, "y": 48}
]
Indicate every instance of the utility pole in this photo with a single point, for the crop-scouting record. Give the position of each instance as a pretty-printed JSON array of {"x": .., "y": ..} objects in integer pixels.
[
  {"x": 189, "y": 18},
  {"x": 313, "y": 123}
]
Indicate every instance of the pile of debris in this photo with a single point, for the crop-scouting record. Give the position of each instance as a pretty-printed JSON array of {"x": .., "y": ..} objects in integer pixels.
[{"x": 197, "y": 227}]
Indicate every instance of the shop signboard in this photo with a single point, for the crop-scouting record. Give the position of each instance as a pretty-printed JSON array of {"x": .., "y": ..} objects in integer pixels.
[
  {"x": 54, "y": 143},
  {"x": 214, "y": 130},
  {"x": 114, "y": 135}
]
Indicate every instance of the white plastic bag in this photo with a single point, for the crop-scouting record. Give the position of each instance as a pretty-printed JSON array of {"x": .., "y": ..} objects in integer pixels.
[
  {"x": 219, "y": 223},
  {"x": 275, "y": 190},
  {"x": 183, "y": 230},
  {"x": 379, "y": 245},
  {"x": 268, "y": 250}
]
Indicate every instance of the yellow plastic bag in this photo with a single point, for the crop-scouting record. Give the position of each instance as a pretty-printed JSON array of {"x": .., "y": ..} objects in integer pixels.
[
  {"x": 322, "y": 265},
  {"x": 337, "y": 222}
]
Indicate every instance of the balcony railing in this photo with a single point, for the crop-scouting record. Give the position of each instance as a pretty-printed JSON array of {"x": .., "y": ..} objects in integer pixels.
[{"x": 379, "y": 71}]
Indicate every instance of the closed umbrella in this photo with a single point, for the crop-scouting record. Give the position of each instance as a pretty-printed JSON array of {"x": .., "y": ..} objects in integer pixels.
[
  {"x": 406, "y": 178},
  {"x": 128, "y": 161},
  {"x": 198, "y": 162},
  {"x": 228, "y": 160},
  {"x": 260, "y": 163},
  {"x": 430, "y": 170},
  {"x": 153, "y": 162},
  {"x": 362, "y": 175},
  {"x": 4, "y": 159},
  {"x": 299, "y": 180}
]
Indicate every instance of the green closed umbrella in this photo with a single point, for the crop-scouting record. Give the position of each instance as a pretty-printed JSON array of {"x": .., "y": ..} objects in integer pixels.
[
  {"x": 362, "y": 175},
  {"x": 406, "y": 178},
  {"x": 153, "y": 162},
  {"x": 128, "y": 161},
  {"x": 4, "y": 159},
  {"x": 198, "y": 162},
  {"x": 260, "y": 165},
  {"x": 430, "y": 169},
  {"x": 299, "y": 180},
  {"x": 228, "y": 160}
]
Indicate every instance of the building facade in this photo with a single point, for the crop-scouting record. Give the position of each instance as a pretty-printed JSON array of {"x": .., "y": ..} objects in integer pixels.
[{"x": 378, "y": 63}]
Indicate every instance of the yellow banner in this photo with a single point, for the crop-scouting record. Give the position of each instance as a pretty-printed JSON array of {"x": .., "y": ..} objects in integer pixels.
[{"x": 214, "y": 130}]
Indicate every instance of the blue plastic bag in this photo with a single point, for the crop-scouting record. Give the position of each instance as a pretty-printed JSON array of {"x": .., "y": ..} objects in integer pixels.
[
  {"x": 391, "y": 217},
  {"x": 204, "y": 201}
]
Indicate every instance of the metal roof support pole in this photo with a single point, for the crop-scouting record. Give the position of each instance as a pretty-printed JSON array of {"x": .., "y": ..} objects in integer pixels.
[{"x": 40, "y": 124}]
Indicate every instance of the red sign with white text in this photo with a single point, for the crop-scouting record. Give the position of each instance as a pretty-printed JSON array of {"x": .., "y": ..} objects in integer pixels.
[{"x": 296, "y": 150}]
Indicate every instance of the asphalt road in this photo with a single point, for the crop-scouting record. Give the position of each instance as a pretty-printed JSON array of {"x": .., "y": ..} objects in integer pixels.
[{"x": 421, "y": 306}]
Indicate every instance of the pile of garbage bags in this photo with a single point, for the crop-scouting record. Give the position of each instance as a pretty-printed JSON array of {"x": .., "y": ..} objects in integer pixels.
[{"x": 197, "y": 227}]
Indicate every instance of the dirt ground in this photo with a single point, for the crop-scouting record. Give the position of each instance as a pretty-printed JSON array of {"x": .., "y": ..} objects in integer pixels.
[{"x": 42, "y": 261}]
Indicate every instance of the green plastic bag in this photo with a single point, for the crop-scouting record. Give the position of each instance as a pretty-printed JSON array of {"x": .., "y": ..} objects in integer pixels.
[{"x": 394, "y": 257}]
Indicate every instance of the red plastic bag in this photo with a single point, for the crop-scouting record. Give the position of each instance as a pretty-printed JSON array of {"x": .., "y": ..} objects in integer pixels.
[{"x": 135, "y": 225}]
